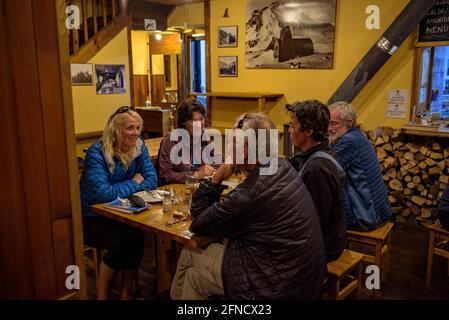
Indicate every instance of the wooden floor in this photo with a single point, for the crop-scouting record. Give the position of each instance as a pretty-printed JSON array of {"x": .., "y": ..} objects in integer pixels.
[{"x": 405, "y": 280}]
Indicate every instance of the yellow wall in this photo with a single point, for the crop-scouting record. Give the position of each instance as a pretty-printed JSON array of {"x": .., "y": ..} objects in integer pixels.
[
  {"x": 140, "y": 52},
  {"x": 91, "y": 111},
  {"x": 173, "y": 72},
  {"x": 157, "y": 64},
  {"x": 352, "y": 42},
  {"x": 193, "y": 15}
]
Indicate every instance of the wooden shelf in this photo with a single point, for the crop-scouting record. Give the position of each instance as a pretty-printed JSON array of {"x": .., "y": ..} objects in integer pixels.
[
  {"x": 423, "y": 130},
  {"x": 261, "y": 97},
  {"x": 240, "y": 95}
]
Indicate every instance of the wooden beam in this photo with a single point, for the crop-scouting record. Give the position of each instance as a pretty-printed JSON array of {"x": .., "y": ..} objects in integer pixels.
[
  {"x": 207, "y": 13},
  {"x": 86, "y": 31},
  {"x": 130, "y": 59},
  {"x": 101, "y": 39},
  {"x": 105, "y": 12},
  {"x": 113, "y": 9},
  {"x": 94, "y": 13}
]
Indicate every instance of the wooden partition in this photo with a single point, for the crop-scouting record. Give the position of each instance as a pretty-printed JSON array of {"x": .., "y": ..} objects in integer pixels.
[{"x": 40, "y": 206}]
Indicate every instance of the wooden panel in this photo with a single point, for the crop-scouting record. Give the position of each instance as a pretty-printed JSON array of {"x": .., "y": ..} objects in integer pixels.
[
  {"x": 141, "y": 10},
  {"x": 71, "y": 145},
  {"x": 169, "y": 44},
  {"x": 31, "y": 143},
  {"x": 63, "y": 245},
  {"x": 157, "y": 88},
  {"x": 141, "y": 91},
  {"x": 15, "y": 277},
  {"x": 53, "y": 115}
]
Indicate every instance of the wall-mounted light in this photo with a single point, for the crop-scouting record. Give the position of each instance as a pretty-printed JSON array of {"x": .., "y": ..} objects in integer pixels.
[{"x": 226, "y": 13}]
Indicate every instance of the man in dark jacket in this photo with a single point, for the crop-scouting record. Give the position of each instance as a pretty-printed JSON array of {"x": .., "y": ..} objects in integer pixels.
[
  {"x": 274, "y": 247},
  {"x": 365, "y": 197},
  {"x": 443, "y": 208},
  {"x": 321, "y": 173}
]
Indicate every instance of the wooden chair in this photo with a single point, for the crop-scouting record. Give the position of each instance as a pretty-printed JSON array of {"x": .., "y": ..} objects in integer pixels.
[
  {"x": 439, "y": 236},
  {"x": 345, "y": 275},
  {"x": 379, "y": 240}
]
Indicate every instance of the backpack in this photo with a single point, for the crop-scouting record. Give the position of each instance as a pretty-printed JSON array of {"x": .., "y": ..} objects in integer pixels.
[{"x": 322, "y": 154}]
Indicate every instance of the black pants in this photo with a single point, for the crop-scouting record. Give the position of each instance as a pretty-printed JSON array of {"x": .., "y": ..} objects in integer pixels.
[
  {"x": 124, "y": 244},
  {"x": 444, "y": 219}
]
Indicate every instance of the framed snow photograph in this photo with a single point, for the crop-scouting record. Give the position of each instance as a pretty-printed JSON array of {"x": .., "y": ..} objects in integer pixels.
[
  {"x": 290, "y": 34},
  {"x": 227, "y": 66},
  {"x": 227, "y": 36}
]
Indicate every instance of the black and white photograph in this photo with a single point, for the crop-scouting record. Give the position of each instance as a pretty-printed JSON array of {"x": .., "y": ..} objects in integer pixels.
[
  {"x": 227, "y": 66},
  {"x": 227, "y": 36},
  {"x": 81, "y": 74},
  {"x": 290, "y": 34},
  {"x": 110, "y": 78}
]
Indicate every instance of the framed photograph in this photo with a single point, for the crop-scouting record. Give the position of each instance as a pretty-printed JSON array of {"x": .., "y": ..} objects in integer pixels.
[
  {"x": 81, "y": 74},
  {"x": 110, "y": 78},
  {"x": 227, "y": 36},
  {"x": 291, "y": 34},
  {"x": 227, "y": 66}
]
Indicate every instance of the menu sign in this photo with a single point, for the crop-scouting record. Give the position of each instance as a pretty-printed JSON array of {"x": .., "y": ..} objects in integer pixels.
[{"x": 435, "y": 25}]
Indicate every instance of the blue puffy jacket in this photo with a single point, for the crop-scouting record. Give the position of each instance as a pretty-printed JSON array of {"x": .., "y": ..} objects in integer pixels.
[
  {"x": 99, "y": 185},
  {"x": 365, "y": 196}
]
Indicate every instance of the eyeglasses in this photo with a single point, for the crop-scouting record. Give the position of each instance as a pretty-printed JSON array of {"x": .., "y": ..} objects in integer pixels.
[
  {"x": 241, "y": 121},
  {"x": 121, "y": 110}
]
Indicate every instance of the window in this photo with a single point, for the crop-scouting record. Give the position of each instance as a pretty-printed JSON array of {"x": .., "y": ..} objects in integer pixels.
[{"x": 433, "y": 88}]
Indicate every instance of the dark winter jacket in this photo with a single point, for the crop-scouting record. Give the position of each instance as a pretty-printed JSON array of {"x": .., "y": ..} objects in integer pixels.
[
  {"x": 99, "y": 185},
  {"x": 365, "y": 196},
  {"x": 275, "y": 248},
  {"x": 326, "y": 188}
]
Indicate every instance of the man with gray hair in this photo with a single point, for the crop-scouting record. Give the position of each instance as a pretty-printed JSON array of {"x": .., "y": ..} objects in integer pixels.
[
  {"x": 273, "y": 247},
  {"x": 365, "y": 196}
]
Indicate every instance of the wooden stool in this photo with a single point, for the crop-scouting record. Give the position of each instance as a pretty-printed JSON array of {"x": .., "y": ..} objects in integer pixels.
[
  {"x": 340, "y": 270},
  {"x": 380, "y": 239},
  {"x": 438, "y": 236},
  {"x": 92, "y": 258}
]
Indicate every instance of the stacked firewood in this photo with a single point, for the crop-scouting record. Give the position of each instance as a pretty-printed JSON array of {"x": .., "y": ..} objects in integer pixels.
[{"x": 415, "y": 174}]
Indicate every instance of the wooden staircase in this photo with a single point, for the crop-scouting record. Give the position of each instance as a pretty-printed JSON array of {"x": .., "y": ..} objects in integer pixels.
[{"x": 101, "y": 21}]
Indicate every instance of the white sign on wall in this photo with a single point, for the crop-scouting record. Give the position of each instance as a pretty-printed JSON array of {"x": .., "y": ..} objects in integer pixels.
[
  {"x": 397, "y": 103},
  {"x": 396, "y": 110},
  {"x": 150, "y": 24},
  {"x": 398, "y": 96}
]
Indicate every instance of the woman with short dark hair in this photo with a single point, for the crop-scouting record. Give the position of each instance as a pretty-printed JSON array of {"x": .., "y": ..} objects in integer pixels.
[{"x": 190, "y": 111}]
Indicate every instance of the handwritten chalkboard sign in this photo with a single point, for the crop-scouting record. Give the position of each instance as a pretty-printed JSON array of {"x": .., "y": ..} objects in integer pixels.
[{"x": 435, "y": 26}]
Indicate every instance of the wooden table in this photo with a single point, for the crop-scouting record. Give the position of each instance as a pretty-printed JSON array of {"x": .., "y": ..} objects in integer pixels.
[
  {"x": 169, "y": 239},
  {"x": 153, "y": 147}
]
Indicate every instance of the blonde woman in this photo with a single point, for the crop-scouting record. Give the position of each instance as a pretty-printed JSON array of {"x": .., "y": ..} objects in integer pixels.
[{"x": 116, "y": 166}]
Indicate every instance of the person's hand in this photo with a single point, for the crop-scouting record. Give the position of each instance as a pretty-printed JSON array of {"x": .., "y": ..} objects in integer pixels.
[
  {"x": 138, "y": 178},
  {"x": 208, "y": 170},
  {"x": 224, "y": 172}
]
